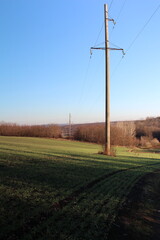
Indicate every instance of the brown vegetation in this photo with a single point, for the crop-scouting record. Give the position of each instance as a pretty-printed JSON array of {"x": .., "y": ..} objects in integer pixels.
[
  {"x": 122, "y": 134},
  {"x": 144, "y": 133},
  {"x": 148, "y": 132},
  {"x": 148, "y": 128},
  {"x": 90, "y": 133},
  {"x": 51, "y": 131}
]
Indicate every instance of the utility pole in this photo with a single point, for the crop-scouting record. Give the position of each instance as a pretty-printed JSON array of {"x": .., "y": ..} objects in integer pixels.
[
  {"x": 70, "y": 126},
  {"x": 107, "y": 106},
  {"x": 107, "y": 80}
]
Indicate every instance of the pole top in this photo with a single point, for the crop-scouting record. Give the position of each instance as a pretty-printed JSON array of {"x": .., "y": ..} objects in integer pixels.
[{"x": 106, "y": 7}]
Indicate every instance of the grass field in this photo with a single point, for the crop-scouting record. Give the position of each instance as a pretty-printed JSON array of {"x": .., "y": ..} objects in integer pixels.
[{"x": 54, "y": 189}]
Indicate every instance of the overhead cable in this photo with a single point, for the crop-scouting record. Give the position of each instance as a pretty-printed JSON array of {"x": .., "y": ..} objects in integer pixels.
[
  {"x": 142, "y": 29},
  {"x": 99, "y": 34},
  {"x": 138, "y": 34},
  {"x": 110, "y": 5}
]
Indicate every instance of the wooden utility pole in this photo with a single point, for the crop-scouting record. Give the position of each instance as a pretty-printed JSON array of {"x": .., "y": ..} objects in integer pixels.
[
  {"x": 70, "y": 127},
  {"x": 107, "y": 106},
  {"x": 107, "y": 80}
]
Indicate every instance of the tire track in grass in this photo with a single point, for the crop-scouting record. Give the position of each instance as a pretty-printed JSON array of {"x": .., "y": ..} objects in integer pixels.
[
  {"x": 62, "y": 203},
  {"x": 139, "y": 217},
  {"x": 84, "y": 222},
  {"x": 54, "y": 209}
]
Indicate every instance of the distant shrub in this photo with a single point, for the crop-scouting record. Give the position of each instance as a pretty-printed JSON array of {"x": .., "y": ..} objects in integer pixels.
[
  {"x": 90, "y": 133},
  {"x": 51, "y": 131},
  {"x": 145, "y": 142},
  {"x": 156, "y": 133},
  {"x": 122, "y": 134},
  {"x": 148, "y": 128},
  {"x": 155, "y": 142},
  {"x": 148, "y": 142}
]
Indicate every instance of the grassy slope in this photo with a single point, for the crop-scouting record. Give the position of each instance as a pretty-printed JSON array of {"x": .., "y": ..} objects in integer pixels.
[{"x": 36, "y": 173}]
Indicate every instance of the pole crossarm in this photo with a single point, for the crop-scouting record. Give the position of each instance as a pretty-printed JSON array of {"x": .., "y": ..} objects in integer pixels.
[
  {"x": 98, "y": 48},
  {"x": 103, "y": 48}
]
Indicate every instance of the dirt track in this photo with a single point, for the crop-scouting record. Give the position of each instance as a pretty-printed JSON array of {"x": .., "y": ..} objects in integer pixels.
[{"x": 139, "y": 219}]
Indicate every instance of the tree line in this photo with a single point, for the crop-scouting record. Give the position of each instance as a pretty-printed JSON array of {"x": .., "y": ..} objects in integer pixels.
[
  {"x": 51, "y": 131},
  {"x": 144, "y": 133},
  {"x": 122, "y": 134}
]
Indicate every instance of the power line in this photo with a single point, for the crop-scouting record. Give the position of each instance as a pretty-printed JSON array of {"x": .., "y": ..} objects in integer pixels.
[
  {"x": 116, "y": 19},
  {"x": 142, "y": 29},
  {"x": 114, "y": 44},
  {"x": 99, "y": 34},
  {"x": 121, "y": 10},
  {"x": 138, "y": 34},
  {"x": 99, "y": 44},
  {"x": 115, "y": 69},
  {"x": 99, "y": 96},
  {"x": 85, "y": 78},
  {"x": 88, "y": 66},
  {"x": 91, "y": 84},
  {"x": 110, "y": 5}
]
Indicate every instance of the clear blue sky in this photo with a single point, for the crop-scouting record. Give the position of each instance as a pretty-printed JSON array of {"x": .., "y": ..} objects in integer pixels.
[{"x": 45, "y": 66}]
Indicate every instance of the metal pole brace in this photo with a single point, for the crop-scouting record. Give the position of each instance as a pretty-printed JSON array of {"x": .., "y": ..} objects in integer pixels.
[{"x": 111, "y": 20}]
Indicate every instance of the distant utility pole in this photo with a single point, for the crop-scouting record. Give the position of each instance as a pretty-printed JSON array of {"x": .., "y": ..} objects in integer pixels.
[
  {"x": 107, "y": 77},
  {"x": 70, "y": 126}
]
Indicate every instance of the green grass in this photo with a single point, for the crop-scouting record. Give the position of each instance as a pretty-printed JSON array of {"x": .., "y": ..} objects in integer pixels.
[{"x": 36, "y": 174}]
